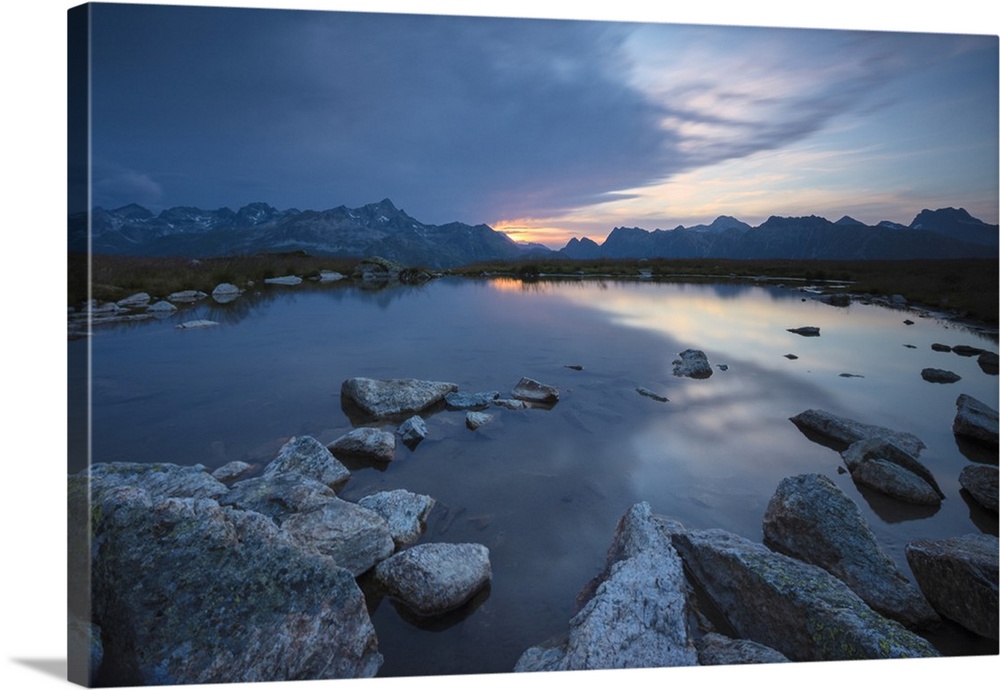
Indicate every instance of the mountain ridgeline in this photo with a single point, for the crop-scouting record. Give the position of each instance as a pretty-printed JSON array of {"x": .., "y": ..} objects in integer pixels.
[{"x": 383, "y": 230}]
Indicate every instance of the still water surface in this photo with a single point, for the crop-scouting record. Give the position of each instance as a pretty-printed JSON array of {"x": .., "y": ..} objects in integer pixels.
[{"x": 543, "y": 489}]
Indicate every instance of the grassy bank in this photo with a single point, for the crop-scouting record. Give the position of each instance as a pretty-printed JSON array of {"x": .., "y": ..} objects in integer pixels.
[{"x": 967, "y": 287}]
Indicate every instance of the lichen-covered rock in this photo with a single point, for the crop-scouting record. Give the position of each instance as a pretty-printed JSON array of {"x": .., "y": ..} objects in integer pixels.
[
  {"x": 693, "y": 364},
  {"x": 187, "y": 591},
  {"x": 279, "y": 495},
  {"x": 530, "y": 390},
  {"x": 390, "y": 397},
  {"x": 811, "y": 519},
  {"x": 405, "y": 512},
  {"x": 958, "y": 576},
  {"x": 354, "y": 537},
  {"x": 431, "y": 579},
  {"x": 718, "y": 650},
  {"x": 843, "y": 431},
  {"x": 157, "y": 479},
  {"x": 367, "y": 443},
  {"x": 981, "y": 482},
  {"x": 975, "y": 419},
  {"x": 796, "y": 608},
  {"x": 635, "y": 613},
  {"x": 305, "y": 456}
]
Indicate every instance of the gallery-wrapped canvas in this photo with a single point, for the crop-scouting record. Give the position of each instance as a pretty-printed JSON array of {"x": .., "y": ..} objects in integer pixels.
[{"x": 682, "y": 353}]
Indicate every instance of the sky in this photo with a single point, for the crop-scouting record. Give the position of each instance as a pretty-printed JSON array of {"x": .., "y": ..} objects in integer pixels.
[{"x": 543, "y": 128}]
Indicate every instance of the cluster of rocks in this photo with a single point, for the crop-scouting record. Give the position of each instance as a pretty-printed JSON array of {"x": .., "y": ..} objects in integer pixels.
[
  {"x": 185, "y": 578},
  {"x": 819, "y": 588}
]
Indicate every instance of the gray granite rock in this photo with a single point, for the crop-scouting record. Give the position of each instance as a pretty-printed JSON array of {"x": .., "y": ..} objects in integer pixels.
[
  {"x": 532, "y": 391},
  {"x": 474, "y": 420},
  {"x": 431, "y": 579},
  {"x": 279, "y": 495},
  {"x": 186, "y": 296},
  {"x": 692, "y": 364},
  {"x": 354, "y": 537},
  {"x": 981, "y": 482},
  {"x": 283, "y": 280},
  {"x": 958, "y": 575},
  {"x": 412, "y": 431},
  {"x": 232, "y": 471},
  {"x": 975, "y": 419},
  {"x": 139, "y": 299},
  {"x": 470, "y": 401},
  {"x": 718, "y": 650},
  {"x": 304, "y": 455},
  {"x": 390, "y": 397},
  {"x": 367, "y": 443},
  {"x": 405, "y": 512},
  {"x": 197, "y": 323},
  {"x": 891, "y": 479},
  {"x": 157, "y": 479},
  {"x": 843, "y": 431},
  {"x": 645, "y": 392}
]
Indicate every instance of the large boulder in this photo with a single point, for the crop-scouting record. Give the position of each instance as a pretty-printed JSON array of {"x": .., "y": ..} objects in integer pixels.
[
  {"x": 842, "y": 431},
  {"x": 391, "y": 397},
  {"x": 305, "y": 456},
  {"x": 975, "y": 419},
  {"x": 693, "y": 364},
  {"x": 636, "y": 614},
  {"x": 959, "y": 577},
  {"x": 981, "y": 483},
  {"x": 187, "y": 591},
  {"x": 796, "y": 608},
  {"x": 368, "y": 443},
  {"x": 432, "y": 579},
  {"x": 811, "y": 519},
  {"x": 354, "y": 537},
  {"x": 405, "y": 512}
]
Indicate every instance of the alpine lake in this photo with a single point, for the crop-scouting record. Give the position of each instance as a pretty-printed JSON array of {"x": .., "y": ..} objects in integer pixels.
[{"x": 544, "y": 488}]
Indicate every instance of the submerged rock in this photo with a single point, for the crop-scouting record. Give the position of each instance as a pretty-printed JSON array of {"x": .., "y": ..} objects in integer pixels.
[
  {"x": 305, "y": 456},
  {"x": 975, "y": 420},
  {"x": 796, "y": 608},
  {"x": 431, "y": 579},
  {"x": 959, "y": 577},
  {"x": 932, "y": 375},
  {"x": 405, "y": 512},
  {"x": 693, "y": 364},
  {"x": 981, "y": 482},
  {"x": 843, "y": 431},
  {"x": 390, "y": 397},
  {"x": 368, "y": 443},
  {"x": 811, "y": 519},
  {"x": 530, "y": 390}
]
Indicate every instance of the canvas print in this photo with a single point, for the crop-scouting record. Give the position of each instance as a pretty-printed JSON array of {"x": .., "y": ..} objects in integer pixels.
[{"x": 409, "y": 345}]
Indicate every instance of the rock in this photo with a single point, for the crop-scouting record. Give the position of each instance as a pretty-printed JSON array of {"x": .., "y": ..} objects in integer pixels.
[
  {"x": 851, "y": 376},
  {"x": 967, "y": 350},
  {"x": 650, "y": 394},
  {"x": 958, "y": 576},
  {"x": 839, "y": 299},
  {"x": 390, "y": 397},
  {"x": 283, "y": 280},
  {"x": 432, "y": 579},
  {"x": 305, "y": 456},
  {"x": 981, "y": 482},
  {"x": 635, "y": 616},
  {"x": 898, "y": 300},
  {"x": 843, "y": 431},
  {"x": 474, "y": 420},
  {"x": 225, "y": 292},
  {"x": 791, "y": 356},
  {"x": 939, "y": 347},
  {"x": 574, "y": 367},
  {"x": 139, "y": 299},
  {"x": 354, "y": 537},
  {"x": 186, "y": 296},
  {"x": 807, "y": 331},
  {"x": 723, "y": 367},
  {"x": 189, "y": 592},
  {"x": 796, "y": 608},
  {"x": 157, "y": 479},
  {"x": 412, "y": 431},
  {"x": 975, "y": 420},
  {"x": 531, "y": 390},
  {"x": 892, "y": 480},
  {"x": 470, "y": 401},
  {"x": 232, "y": 471},
  {"x": 330, "y": 276},
  {"x": 693, "y": 364},
  {"x": 877, "y": 448},
  {"x": 509, "y": 404},
  {"x": 405, "y": 512},
  {"x": 197, "y": 323},
  {"x": 718, "y": 650},
  {"x": 368, "y": 443},
  {"x": 161, "y": 306},
  {"x": 939, "y": 376},
  {"x": 278, "y": 496},
  {"x": 989, "y": 362},
  {"x": 810, "y": 519}
]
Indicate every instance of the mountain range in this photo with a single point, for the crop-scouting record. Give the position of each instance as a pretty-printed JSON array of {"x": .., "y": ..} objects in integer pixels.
[{"x": 381, "y": 229}]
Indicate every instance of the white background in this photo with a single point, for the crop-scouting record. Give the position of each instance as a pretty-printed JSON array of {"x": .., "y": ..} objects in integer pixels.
[{"x": 32, "y": 271}]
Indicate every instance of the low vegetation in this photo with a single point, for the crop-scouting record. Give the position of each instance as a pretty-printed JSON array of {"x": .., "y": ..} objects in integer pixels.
[{"x": 966, "y": 287}]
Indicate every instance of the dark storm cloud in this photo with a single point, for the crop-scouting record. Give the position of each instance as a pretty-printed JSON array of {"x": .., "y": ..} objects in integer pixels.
[{"x": 453, "y": 118}]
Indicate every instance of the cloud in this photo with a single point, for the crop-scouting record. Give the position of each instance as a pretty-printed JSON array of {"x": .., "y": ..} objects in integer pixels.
[{"x": 112, "y": 183}]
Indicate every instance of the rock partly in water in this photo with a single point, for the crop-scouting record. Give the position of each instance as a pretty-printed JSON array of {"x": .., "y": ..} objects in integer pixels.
[
  {"x": 354, "y": 537},
  {"x": 967, "y": 350},
  {"x": 807, "y": 331},
  {"x": 693, "y": 364},
  {"x": 932, "y": 375},
  {"x": 330, "y": 276},
  {"x": 186, "y": 296},
  {"x": 796, "y": 608},
  {"x": 940, "y": 347},
  {"x": 981, "y": 483},
  {"x": 189, "y": 592},
  {"x": 368, "y": 443},
  {"x": 474, "y": 420},
  {"x": 886, "y": 467},
  {"x": 989, "y": 362},
  {"x": 405, "y": 512},
  {"x": 283, "y": 280},
  {"x": 975, "y": 420},
  {"x": 225, "y": 292},
  {"x": 635, "y": 614},
  {"x": 391, "y": 397},
  {"x": 139, "y": 299},
  {"x": 162, "y": 306},
  {"x": 650, "y": 394},
  {"x": 958, "y": 576},
  {"x": 197, "y": 323},
  {"x": 530, "y": 390},
  {"x": 842, "y": 432},
  {"x": 412, "y": 431},
  {"x": 470, "y": 401},
  {"x": 432, "y": 579},
  {"x": 811, "y": 519},
  {"x": 305, "y": 456},
  {"x": 718, "y": 650}
]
